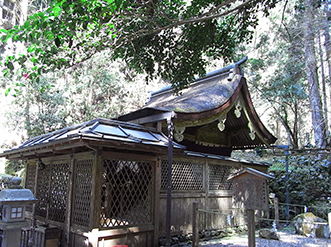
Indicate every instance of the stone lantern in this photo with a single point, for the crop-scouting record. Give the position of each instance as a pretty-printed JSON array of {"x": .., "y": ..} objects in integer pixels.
[{"x": 14, "y": 201}]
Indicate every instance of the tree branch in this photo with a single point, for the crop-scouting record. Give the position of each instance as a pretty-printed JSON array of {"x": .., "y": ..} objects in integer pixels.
[{"x": 202, "y": 18}]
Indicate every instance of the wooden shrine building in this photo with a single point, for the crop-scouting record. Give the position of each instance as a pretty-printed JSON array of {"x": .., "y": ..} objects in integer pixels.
[{"x": 104, "y": 182}]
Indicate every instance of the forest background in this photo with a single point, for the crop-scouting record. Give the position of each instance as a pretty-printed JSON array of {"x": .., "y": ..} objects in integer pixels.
[{"x": 288, "y": 70}]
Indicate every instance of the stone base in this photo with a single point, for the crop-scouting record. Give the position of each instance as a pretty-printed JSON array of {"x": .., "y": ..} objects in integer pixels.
[
  {"x": 11, "y": 236},
  {"x": 13, "y": 225}
]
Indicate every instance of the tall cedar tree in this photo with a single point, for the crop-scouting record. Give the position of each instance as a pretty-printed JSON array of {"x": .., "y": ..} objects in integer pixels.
[{"x": 312, "y": 77}]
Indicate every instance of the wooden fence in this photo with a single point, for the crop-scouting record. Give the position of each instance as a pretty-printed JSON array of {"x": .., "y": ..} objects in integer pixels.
[{"x": 276, "y": 220}]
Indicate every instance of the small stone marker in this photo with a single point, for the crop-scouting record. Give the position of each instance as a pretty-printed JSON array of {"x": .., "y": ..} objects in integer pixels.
[{"x": 268, "y": 233}]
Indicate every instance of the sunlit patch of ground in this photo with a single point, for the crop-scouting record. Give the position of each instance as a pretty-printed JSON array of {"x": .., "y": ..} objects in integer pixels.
[{"x": 286, "y": 240}]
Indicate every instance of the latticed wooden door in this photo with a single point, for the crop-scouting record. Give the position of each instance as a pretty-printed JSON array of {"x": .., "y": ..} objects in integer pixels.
[
  {"x": 127, "y": 193},
  {"x": 82, "y": 189},
  {"x": 52, "y": 191}
]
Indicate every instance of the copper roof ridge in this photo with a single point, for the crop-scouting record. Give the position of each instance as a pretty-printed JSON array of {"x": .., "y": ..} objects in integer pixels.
[{"x": 198, "y": 80}]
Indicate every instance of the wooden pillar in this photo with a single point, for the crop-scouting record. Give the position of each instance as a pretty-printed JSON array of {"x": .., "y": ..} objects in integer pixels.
[
  {"x": 96, "y": 190},
  {"x": 157, "y": 188},
  {"x": 169, "y": 183},
  {"x": 251, "y": 227},
  {"x": 69, "y": 199},
  {"x": 34, "y": 223},
  {"x": 276, "y": 205},
  {"x": 329, "y": 220},
  {"x": 195, "y": 225},
  {"x": 96, "y": 197}
]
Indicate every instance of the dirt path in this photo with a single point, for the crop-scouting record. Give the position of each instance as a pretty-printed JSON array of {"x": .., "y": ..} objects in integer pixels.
[{"x": 286, "y": 240}]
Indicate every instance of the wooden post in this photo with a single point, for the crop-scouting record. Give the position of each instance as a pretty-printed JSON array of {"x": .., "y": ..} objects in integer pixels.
[
  {"x": 157, "y": 188},
  {"x": 96, "y": 189},
  {"x": 251, "y": 227},
  {"x": 276, "y": 205},
  {"x": 169, "y": 183},
  {"x": 195, "y": 228},
  {"x": 329, "y": 219},
  {"x": 69, "y": 198}
]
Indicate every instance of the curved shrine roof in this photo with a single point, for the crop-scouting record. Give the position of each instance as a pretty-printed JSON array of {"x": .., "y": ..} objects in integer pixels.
[
  {"x": 214, "y": 111},
  {"x": 203, "y": 95}
]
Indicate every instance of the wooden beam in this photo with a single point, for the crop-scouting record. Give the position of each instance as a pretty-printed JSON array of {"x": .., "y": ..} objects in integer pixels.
[{"x": 155, "y": 118}]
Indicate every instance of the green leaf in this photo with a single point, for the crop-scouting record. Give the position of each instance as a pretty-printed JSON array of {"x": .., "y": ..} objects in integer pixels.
[
  {"x": 5, "y": 38},
  {"x": 44, "y": 24},
  {"x": 10, "y": 66},
  {"x": 57, "y": 11},
  {"x": 38, "y": 35},
  {"x": 7, "y": 91},
  {"x": 3, "y": 30},
  {"x": 26, "y": 24},
  {"x": 34, "y": 60},
  {"x": 41, "y": 14},
  {"x": 57, "y": 42},
  {"x": 32, "y": 48}
]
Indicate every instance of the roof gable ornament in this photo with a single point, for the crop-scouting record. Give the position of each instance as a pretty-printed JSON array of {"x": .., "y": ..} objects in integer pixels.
[
  {"x": 238, "y": 109},
  {"x": 235, "y": 70},
  {"x": 221, "y": 124},
  {"x": 252, "y": 133},
  {"x": 179, "y": 133}
]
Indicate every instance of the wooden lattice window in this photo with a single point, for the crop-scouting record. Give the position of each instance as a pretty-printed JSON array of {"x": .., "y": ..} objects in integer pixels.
[
  {"x": 218, "y": 175},
  {"x": 58, "y": 192},
  {"x": 30, "y": 177},
  {"x": 127, "y": 193},
  {"x": 52, "y": 186},
  {"x": 186, "y": 175},
  {"x": 42, "y": 191},
  {"x": 82, "y": 192}
]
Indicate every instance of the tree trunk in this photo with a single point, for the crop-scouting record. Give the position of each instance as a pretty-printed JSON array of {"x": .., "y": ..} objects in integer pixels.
[
  {"x": 327, "y": 44},
  {"x": 312, "y": 78},
  {"x": 325, "y": 106},
  {"x": 327, "y": 40}
]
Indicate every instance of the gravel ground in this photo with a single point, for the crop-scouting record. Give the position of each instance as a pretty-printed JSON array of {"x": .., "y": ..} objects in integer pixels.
[{"x": 286, "y": 240}]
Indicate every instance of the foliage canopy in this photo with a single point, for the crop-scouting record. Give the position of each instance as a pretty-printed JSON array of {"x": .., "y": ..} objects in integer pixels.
[
  {"x": 169, "y": 39},
  {"x": 307, "y": 181}
]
